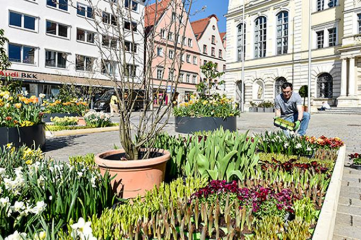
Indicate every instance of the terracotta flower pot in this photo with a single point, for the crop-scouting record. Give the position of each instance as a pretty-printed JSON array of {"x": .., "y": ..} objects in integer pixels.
[
  {"x": 81, "y": 121},
  {"x": 134, "y": 177}
]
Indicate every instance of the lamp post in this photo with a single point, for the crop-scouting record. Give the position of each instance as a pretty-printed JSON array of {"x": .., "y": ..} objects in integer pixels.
[
  {"x": 243, "y": 55},
  {"x": 309, "y": 56}
]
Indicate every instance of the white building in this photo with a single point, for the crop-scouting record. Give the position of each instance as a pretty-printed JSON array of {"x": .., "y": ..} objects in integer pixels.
[
  {"x": 210, "y": 43},
  {"x": 276, "y": 49},
  {"x": 54, "y": 42}
]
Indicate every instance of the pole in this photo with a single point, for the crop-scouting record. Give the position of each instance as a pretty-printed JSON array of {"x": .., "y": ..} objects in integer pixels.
[
  {"x": 243, "y": 55},
  {"x": 309, "y": 56}
]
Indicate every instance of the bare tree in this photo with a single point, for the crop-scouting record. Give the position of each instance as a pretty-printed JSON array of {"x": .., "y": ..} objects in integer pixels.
[{"x": 128, "y": 51}]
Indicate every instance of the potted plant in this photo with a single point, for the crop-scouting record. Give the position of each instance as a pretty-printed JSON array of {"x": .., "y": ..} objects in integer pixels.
[
  {"x": 269, "y": 106},
  {"x": 304, "y": 93},
  {"x": 138, "y": 166},
  {"x": 356, "y": 160},
  {"x": 253, "y": 107},
  {"x": 207, "y": 110},
  {"x": 260, "y": 107}
]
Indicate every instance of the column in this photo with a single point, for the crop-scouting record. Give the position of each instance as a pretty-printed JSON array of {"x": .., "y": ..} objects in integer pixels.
[
  {"x": 344, "y": 77},
  {"x": 351, "y": 75}
]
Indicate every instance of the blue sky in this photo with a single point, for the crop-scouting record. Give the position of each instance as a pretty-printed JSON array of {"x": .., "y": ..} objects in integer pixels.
[{"x": 218, "y": 7}]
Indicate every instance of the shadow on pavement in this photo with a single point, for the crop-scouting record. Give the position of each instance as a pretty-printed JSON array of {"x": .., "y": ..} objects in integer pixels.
[{"x": 60, "y": 142}]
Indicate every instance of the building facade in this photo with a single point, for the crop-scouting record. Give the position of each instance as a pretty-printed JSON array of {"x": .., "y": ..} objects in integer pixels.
[
  {"x": 174, "y": 41},
  {"x": 273, "y": 38},
  {"x": 210, "y": 44},
  {"x": 55, "y": 42}
]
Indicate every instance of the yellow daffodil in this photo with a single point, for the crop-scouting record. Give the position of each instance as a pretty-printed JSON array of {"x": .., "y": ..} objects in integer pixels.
[
  {"x": 17, "y": 105},
  {"x": 205, "y": 102},
  {"x": 9, "y": 145},
  {"x": 28, "y": 162}
]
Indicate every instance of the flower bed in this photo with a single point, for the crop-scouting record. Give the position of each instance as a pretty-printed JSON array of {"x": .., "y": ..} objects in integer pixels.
[{"x": 58, "y": 108}]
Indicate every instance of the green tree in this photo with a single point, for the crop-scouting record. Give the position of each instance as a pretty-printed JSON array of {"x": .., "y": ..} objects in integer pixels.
[
  {"x": 211, "y": 73},
  {"x": 304, "y": 93},
  {"x": 4, "y": 60}
]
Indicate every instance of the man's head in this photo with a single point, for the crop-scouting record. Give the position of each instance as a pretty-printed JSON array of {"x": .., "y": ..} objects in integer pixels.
[{"x": 287, "y": 90}]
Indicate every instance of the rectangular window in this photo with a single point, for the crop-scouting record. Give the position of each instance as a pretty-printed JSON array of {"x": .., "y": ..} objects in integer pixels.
[
  {"x": 213, "y": 39},
  {"x": 56, "y": 29},
  {"x": 84, "y": 36},
  {"x": 85, "y": 11},
  {"x": 332, "y": 3},
  {"x": 320, "y": 5},
  {"x": 130, "y": 26},
  {"x": 21, "y": 54},
  {"x": 109, "y": 42},
  {"x": 184, "y": 41},
  {"x": 174, "y": 16},
  {"x": 55, "y": 59},
  {"x": 133, "y": 5},
  {"x": 60, "y": 4},
  {"x": 213, "y": 52},
  {"x": 84, "y": 63},
  {"x": 159, "y": 73},
  {"x": 181, "y": 77},
  {"x": 359, "y": 22},
  {"x": 220, "y": 54},
  {"x": 160, "y": 52},
  {"x": 282, "y": 32},
  {"x": 107, "y": 67},
  {"x": 241, "y": 41},
  {"x": 170, "y": 36},
  {"x": 205, "y": 49},
  {"x": 130, "y": 70},
  {"x": 21, "y": 20},
  {"x": 108, "y": 18},
  {"x": 171, "y": 75},
  {"x": 188, "y": 58},
  {"x": 195, "y": 60},
  {"x": 171, "y": 54},
  {"x": 130, "y": 47},
  {"x": 188, "y": 78},
  {"x": 162, "y": 33},
  {"x": 260, "y": 35},
  {"x": 320, "y": 39},
  {"x": 205, "y": 62},
  {"x": 194, "y": 79},
  {"x": 190, "y": 42},
  {"x": 332, "y": 38}
]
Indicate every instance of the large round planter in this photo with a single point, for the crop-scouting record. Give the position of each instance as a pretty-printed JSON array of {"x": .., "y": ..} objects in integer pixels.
[
  {"x": 191, "y": 124},
  {"x": 47, "y": 116},
  {"x": 133, "y": 178},
  {"x": 19, "y": 136}
]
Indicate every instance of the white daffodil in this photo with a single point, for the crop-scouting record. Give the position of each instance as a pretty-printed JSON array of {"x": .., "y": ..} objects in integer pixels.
[
  {"x": 2, "y": 172},
  {"x": 83, "y": 230},
  {"x": 298, "y": 145},
  {"x": 16, "y": 236},
  {"x": 4, "y": 202},
  {"x": 18, "y": 206},
  {"x": 39, "y": 208},
  {"x": 42, "y": 95}
]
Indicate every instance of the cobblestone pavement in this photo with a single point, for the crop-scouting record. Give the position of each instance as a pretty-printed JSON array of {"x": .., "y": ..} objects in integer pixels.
[{"x": 347, "y": 127}]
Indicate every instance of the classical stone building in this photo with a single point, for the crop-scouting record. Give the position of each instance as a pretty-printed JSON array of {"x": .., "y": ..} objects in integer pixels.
[{"x": 276, "y": 47}]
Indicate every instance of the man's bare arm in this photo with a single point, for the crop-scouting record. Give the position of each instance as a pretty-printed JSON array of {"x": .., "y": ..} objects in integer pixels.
[{"x": 300, "y": 112}]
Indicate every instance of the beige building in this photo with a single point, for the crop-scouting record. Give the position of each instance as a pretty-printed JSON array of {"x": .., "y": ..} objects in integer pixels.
[{"x": 275, "y": 46}]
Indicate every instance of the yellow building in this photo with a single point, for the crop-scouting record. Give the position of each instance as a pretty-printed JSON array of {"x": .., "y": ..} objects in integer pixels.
[{"x": 276, "y": 49}]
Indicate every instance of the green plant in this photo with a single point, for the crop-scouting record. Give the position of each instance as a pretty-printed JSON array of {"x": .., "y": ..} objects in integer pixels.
[
  {"x": 95, "y": 119},
  {"x": 4, "y": 60},
  {"x": 77, "y": 106},
  {"x": 305, "y": 211},
  {"x": 304, "y": 93},
  {"x": 65, "y": 121},
  {"x": 87, "y": 160}
]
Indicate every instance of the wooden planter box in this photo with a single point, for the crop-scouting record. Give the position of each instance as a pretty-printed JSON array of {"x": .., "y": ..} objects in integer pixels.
[
  {"x": 190, "y": 124},
  {"x": 19, "y": 136},
  {"x": 48, "y": 116}
]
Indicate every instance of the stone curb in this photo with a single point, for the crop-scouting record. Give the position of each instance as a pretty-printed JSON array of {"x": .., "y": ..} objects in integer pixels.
[
  {"x": 80, "y": 131},
  {"x": 326, "y": 221}
]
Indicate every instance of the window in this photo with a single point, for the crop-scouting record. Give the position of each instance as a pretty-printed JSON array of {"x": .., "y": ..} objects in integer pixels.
[
  {"x": 324, "y": 86},
  {"x": 130, "y": 47},
  {"x": 21, "y": 54},
  {"x": 241, "y": 41},
  {"x": 174, "y": 16},
  {"x": 194, "y": 79},
  {"x": 188, "y": 58},
  {"x": 205, "y": 49},
  {"x": 359, "y": 22},
  {"x": 188, "y": 78},
  {"x": 282, "y": 32},
  {"x": 278, "y": 85},
  {"x": 85, "y": 11},
  {"x": 190, "y": 42},
  {"x": 184, "y": 41},
  {"x": 171, "y": 54},
  {"x": 55, "y": 59},
  {"x": 260, "y": 37},
  {"x": 160, "y": 52},
  {"x": 213, "y": 52},
  {"x": 224, "y": 67},
  {"x": 60, "y": 4},
  {"x": 56, "y": 29},
  {"x": 162, "y": 33},
  {"x": 133, "y": 5},
  {"x": 195, "y": 62},
  {"x": 216, "y": 66},
  {"x": 21, "y": 20},
  {"x": 109, "y": 42},
  {"x": 213, "y": 39},
  {"x": 332, "y": 37},
  {"x": 170, "y": 36},
  {"x": 107, "y": 67},
  {"x": 320, "y": 5},
  {"x": 84, "y": 63},
  {"x": 171, "y": 75},
  {"x": 332, "y": 3},
  {"x": 181, "y": 77},
  {"x": 130, "y": 26},
  {"x": 160, "y": 73},
  {"x": 130, "y": 70},
  {"x": 109, "y": 19},
  {"x": 320, "y": 38},
  {"x": 84, "y": 36},
  {"x": 205, "y": 62},
  {"x": 220, "y": 54}
]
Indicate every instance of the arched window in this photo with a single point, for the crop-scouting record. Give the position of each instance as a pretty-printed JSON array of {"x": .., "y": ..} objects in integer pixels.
[
  {"x": 282, "y": 32},
  {"x": 241, "y": 41},
  {"x": 260, "y": 37},
  {"x": 278, "y": 85},
  {"x": 258, "y": 90},
  {"x": 324, "y": 86}
]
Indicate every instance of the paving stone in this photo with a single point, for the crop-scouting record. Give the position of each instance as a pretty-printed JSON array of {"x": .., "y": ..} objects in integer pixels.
[
  {"x": 350, "y": 210},
  {"x": 347, "y": 231},
  {"x": 338, "y": 237}
]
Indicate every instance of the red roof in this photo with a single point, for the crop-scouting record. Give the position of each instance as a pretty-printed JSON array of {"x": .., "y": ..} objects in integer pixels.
[
  {"x": 151, "y": 16},
  {"x": 223, "y": 34},
  {"x": 200, "y": 25}
]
